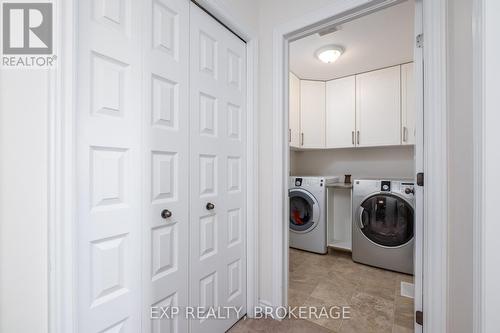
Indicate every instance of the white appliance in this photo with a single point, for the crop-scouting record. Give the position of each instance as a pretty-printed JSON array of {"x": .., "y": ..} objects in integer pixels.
[
  {"x": 383, "y": 224},
  {"x": 307, "y": 217}
]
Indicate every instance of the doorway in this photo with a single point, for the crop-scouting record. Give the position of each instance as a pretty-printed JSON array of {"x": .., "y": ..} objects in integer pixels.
[{"x": 384, "y": 231}]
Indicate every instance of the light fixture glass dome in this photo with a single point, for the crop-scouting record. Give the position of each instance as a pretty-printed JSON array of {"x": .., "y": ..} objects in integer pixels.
[{"x": 329, "y": 54}]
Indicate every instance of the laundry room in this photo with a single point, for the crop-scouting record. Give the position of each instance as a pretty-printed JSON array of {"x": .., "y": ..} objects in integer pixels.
[{"x": 352, "y": 134}]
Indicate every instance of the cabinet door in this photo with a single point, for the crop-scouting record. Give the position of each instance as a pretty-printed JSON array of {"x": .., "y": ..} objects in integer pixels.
[
  {"x": 294, "y": 114},
  {"x": 340, "y": 112},
  {"x": 378, "y": 109},
  {"x": 408, "y": 103},
  {"x": 312, "y": 114}
]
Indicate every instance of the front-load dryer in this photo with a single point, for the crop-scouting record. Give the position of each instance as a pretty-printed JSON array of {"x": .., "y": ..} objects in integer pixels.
[
  {"x": 308, "y": 212},
  {"x": 383, "y": 224}
]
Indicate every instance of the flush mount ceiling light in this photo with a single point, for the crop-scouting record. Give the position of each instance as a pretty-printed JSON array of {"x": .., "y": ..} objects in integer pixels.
[{"x": 329, "y": 54}]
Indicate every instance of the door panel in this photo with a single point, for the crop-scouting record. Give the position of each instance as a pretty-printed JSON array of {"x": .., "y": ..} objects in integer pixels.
[
  {"x": 312, "y": 114},
  {"x": 378, "y": 109},
  {"x": 341, "y": 112},
  {"x": 165, "y": 161},
  {"x": 218, "y": 173},
  {"x": 294, "y": 107},
  {"x": 109, "y": 167},
  {"x": 408, "y": 104}
]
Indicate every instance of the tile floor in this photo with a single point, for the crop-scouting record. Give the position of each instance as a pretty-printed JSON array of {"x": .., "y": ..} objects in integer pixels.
[{"x": 335, "y": 280}]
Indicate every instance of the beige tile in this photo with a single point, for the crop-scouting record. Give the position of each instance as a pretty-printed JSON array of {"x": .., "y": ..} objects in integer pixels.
[
  {"x": 335, "y": 280},
  {"x": 296, "y": 297},
  {"x": 330, "y": 323},
  {"x": 400, "y": 329},
  {"x": 403, "y": 315},
  {"x": 337, "y": 289},
  {"x": 369, "y": 314},
  {"x": 283, "y": 326}
]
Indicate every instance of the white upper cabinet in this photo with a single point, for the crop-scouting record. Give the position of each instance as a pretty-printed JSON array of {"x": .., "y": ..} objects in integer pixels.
[
  {"x": 312, "y": 114},
  {"x": 408, "y": 104},
  {"x": 294, "y": 106},
  {"x": 378, "y": 107},
  {"x": 341, "y": 113}
]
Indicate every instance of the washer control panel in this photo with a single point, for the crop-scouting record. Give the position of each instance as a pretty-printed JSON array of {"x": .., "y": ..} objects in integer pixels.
[{"x": 407, "y": 189}]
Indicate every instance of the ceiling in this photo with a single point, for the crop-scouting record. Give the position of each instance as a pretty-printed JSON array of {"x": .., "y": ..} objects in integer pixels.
[{"x": 378, "y": 40}]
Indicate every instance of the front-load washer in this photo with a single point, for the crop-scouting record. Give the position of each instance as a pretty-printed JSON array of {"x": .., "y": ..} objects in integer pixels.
[
  {"x": 308, "y": 212},
  {"x": 383, "y": 224}
]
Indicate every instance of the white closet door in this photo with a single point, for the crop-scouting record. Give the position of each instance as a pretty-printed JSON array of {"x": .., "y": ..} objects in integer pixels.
[
  {"x": 378, "y": 108},
  {"x": 166, "y": 162},
  {"x": 408, "y": 103},
  {"x": 294, "y": 110},
  {"x": 341, "y": 112},
  {"x": 312, "y": 114},
  {"x": 109, "y": 166},
  {"x": 218, "y": 175}
]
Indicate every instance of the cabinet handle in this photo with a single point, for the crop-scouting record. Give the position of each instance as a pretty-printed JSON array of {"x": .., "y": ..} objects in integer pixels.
[
  {"x": 405, "y": 134},
  {"x": 302, "y": 139},
  {"x": 289, "y": 135},
  {"x": 358, "y": 137},
  {"x": 352, "y": 136}
]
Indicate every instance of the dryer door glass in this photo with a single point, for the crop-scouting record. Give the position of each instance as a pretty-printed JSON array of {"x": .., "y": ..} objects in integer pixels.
[
  {"x": 387, "y": 220},
  {"x": 301, "y": 211}
]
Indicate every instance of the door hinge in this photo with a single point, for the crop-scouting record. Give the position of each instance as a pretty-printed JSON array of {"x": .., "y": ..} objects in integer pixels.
[
  {"x": 419, "y": 318},
  {"x": 420, "y": 40},
  {"x": 420, "y": 179}
]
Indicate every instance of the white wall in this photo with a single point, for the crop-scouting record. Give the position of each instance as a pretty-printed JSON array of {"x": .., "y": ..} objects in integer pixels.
[
  {"x": 23, "y": 189},
  {"x": 380, "y": 162},
  {"x": 272, "y": 14},
  {"x": 23, "y": 201},
  {"x": 460, "y": 166}
]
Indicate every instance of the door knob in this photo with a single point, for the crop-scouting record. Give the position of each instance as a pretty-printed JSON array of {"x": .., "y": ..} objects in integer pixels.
[
  {"x": 166, "y": 213},
  {"x": 210, "y": 206}
]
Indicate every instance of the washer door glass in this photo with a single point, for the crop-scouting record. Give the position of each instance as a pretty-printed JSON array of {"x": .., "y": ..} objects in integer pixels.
[
  {"x": 302, "y": 210},
  {"x": 387, "y": 220}
]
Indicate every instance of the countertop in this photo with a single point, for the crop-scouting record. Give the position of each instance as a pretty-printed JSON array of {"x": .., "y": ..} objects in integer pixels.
[{"x": 340, "y": 185}]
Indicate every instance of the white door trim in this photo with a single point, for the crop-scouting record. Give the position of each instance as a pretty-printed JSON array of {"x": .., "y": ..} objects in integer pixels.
[
  {"x": 435, "y": 164},
  {"x": 61, "y": 176},
  {"x": 62, "y": 190},
  {"x": 486, "y": 73}
]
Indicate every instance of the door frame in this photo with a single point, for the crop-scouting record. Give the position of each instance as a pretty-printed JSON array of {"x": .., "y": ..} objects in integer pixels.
[
  {"x": 434, "y": 261},
  {"x": 486, "y": 73},
  {"x": 61, "y": 234}
]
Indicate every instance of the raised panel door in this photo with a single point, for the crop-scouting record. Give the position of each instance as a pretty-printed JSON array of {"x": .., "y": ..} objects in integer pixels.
[
  {"x": 108, "y": 167},
  {"x": 218, "y": 172},
  {"x": 165, "y": 156}
]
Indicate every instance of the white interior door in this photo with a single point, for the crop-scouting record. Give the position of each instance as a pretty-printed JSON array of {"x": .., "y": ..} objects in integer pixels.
[
  {"x": 341, "y": 112},
  {"x": 294, "y": 110},
  {"x": 109, "y": 166},
  {"x": 165, "y": 162},
  {"x": 218, "y": 173},
  {"x": 378, "y": 108},
  {"x": 312, "y": 114}
]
